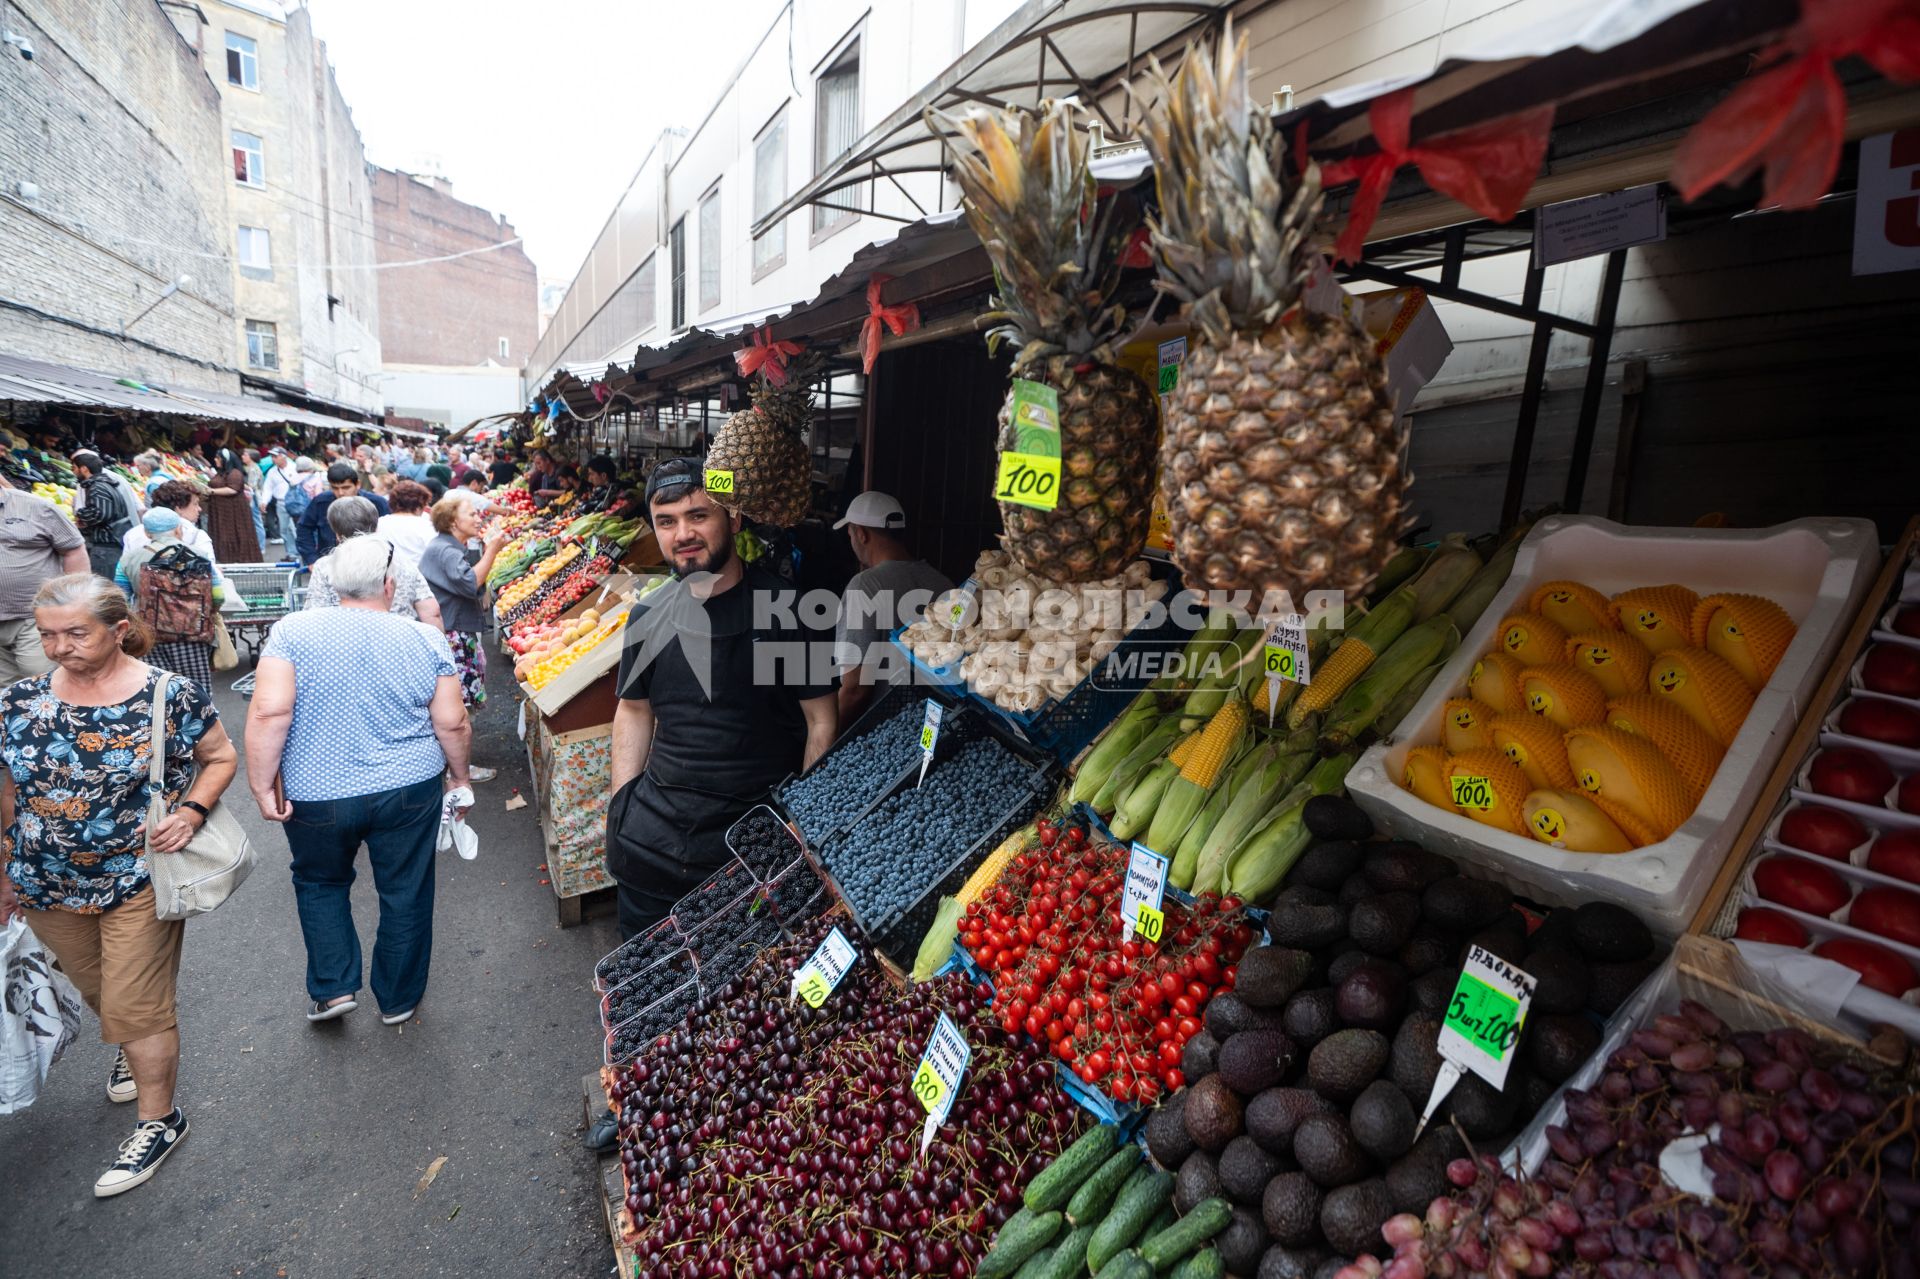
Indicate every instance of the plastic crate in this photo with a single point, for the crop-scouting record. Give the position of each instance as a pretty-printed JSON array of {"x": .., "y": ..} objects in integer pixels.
[
  {"x": 778, "y": 825},
  {"x": 724, "y": 958},
  {"x": 660, "y": 940},
  {"x": 797, "y": 894},
  {"x": 715, "y": 894},
  {"x": 619, "y": 1003},
  {"x": 650, "y": 1022},
  {"x": 892, "y": 702}
]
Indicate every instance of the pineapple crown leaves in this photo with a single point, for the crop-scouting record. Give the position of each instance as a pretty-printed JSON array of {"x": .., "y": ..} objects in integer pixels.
[
  {"x": 1229, "y": 241},
  {"x": 790, "y": 404},
  {"x": 1055, "y": 246}
]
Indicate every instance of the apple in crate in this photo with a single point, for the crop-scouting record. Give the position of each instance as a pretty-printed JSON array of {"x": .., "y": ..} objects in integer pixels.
[
  {"x": 1879, "y": 967},
  {"x": 1800, "y": 885},
  {"x": 1824, "y": 832},
  {"x": 1893, "y": 669},
  {"x": 1908, "y": 798},
  {"x": 1758, "y": 923},
  {"x": 1846, "y": 772},
  {"x": 1893, "y": 913},
  {"x": 1881, "y": 721},
  {"x": 1907, "y": 621},
  {"x": 1896, "y": 853}
]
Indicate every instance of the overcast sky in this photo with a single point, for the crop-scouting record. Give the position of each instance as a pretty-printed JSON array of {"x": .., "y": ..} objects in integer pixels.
[{"x": 539, "y": 112}]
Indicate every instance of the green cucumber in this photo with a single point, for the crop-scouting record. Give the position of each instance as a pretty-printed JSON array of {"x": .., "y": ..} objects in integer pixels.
[
  {"x": 1164, "y": 1249},
  {"x": 1140, "y": 1199},
  {"x": 1096, "y": 1193},
  {"x": 1036, "y": 1265},
  {"x": 1205, "y": 1264},
  {"x": 1128, "y": 1265},
  {"x": 1069, "y": 1260},
  {"x": 1019, "y": 1239},
  {"x": 1058, "y": 1180},
  {"x": 1161, "y": 1220}
]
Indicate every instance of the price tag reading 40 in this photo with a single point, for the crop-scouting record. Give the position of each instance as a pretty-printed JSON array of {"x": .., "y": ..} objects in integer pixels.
[
  {"x": 814, "y": 980},
  {"x": 942, "y": 1065},
  {"x": 1482, "y": 1024},
  {"x": 1143, "y": 894},
  {"x": 929, "y": 734}
]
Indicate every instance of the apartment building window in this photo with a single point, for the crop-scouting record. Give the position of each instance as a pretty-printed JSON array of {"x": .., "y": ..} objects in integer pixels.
[
  {"x": 836, "y": 127},
  {"x": 503, "y": 348},
  {"x": 263, "y": 345},
  {"x": 243, "y": 61},
  {"x": 677, "y": 285},
  {"x": 249, "y": 163},
  {"x": 769, "y": 188},
  {"x": 256, "y": 254},
  {"x": 710, "y": 250}
]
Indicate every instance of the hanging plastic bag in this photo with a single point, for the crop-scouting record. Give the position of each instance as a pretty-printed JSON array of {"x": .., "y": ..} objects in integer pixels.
[
  {"x": 225, "y": 656},
  {"x": 454, "y": 831},
  {"x": 39, "y": 1015}
]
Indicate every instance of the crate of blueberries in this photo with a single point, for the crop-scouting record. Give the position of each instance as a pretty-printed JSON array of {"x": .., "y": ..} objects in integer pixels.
[
  {"x": 880, "y": 749},
  {"x": 923, "y": 837}
]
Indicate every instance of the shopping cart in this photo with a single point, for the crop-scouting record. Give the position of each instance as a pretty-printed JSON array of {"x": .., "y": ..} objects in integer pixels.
[{"x": 269, "y": 594}]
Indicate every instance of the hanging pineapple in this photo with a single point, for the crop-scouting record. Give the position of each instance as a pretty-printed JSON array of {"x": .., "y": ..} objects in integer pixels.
[
  {"x": 1056, "y": 253},
  {"x": 764, "y": 451},
  {"x": 1282, "y": 465}
]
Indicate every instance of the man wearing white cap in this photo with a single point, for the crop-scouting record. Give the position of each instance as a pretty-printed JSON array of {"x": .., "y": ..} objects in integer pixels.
[{"x": 891, "y": 589}]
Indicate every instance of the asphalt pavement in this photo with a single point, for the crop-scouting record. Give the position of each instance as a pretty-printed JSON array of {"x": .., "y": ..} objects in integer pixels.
[{"x": 448, "y": 1146}]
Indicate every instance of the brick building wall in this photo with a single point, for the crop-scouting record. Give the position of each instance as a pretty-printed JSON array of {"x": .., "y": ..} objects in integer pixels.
[
  {"x": 449, "y": 313},
  {"x": 115, "y": 124}
]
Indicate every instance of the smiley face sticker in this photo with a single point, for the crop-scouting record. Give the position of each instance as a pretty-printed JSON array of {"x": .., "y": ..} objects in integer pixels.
[
  {"x": 1595, "y": 654},
  {"x": 1647, "y": 620},
  {"x": 1540, "y": 701},
  {"x": 1515, "y": 638},
  {"x": 1549, "y": 825},
  {"x": 1590, "y": 780},
  {"x": 1670, "y": 680}
]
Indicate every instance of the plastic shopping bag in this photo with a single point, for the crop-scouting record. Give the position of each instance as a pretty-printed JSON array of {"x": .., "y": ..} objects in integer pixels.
[
  {"x": 39, "y": 1015},
  {"x": 454, "y": 831}
]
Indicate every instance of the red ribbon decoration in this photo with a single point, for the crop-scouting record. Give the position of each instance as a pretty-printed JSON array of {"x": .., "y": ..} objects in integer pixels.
[
  {"x": 904, "y": 318},
  {"x": 766, "y": 356},
  {"x": 1792, "y": 118},
  {"x": 1489, "y": 167}
]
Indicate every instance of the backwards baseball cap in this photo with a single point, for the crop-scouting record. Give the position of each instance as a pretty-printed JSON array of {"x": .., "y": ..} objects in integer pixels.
[
  {"x": 671, "y": 476},
  {"x": 874, "y": 509}
]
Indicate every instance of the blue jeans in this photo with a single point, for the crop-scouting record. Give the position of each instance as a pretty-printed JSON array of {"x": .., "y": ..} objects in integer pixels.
[
  {"x": 259, "y": 525},
  {"x": 399, "y": 828},
  {"x": 286, "y": 530}
]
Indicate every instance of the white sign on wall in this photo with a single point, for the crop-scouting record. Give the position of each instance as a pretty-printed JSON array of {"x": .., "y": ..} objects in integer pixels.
[
  {"x": 1599, "y": 224},
  {"x": 1886, "y": 211}
]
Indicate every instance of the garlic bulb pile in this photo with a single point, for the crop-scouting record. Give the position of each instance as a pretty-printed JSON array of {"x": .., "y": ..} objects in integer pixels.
[{"x": 1022, "y": 641}]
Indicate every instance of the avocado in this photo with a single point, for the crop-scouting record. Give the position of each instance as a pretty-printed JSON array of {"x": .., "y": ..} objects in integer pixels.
[
  {"x": 1282, "y": 1262},
  {"x": 1345, "y": 1062},
  {"x": 1336, "y": 817},
  {"x": 1352, "y": 1216},
  {"x": 1256, "y": 1060},
  {"x": 1414, "y": 1061},
  {"x": 1610, "y": 934},
  {"x": 1197, "y": 1181},
  {"x": 1496, "y": 941},
  {"x": 1612, "y": 983},
  {"x": 1373, "y": 996},
  {"x": 1308, "y": 927},
  {"x": 1555, "y": 930},
  {"x": 1326, "y": 1151},
  {"x": 1297, "y": 894},
  {"x": 1383, "y": 1121},
  {"x": 1418, "y": 1178},
  {"x": 1535, "y": 1093},
  {"x": 1213, "y": 1114},
  {"x": 1290, "y": 1209},
  {"x": 1481, "y": 1110},
  {"x": 1201, "y": 1056},
  {"x": 1382, "y": 925},
  {"x": 1275, "y": 1115},
  {"x": 1427, "y": 949},
  {"x": 1308, "y": 1018},
  {"x": 1269, "y": 975},
  {"x": 1399, "y": 866},
  {"x": 1242, "y": 1242},
  {"x": 1431, "y": 992},
  {"x": 1245, "y": 1169},
  {"x": 1464, "y": 905},
  {"x": 1558, "y": 1044},
  {"x": 1329, "y": 1269},
  {"x": 1326, "y": 866},
  {"x": 1514, "y": 923},
  {"x": 1345, "y": 962},
  {"x": 1562, "y": 980},
  {"x": 1228, "y": 1015},
  {"x": 1356, "y": 890},
  {"x": 1166, "y": 1129}
]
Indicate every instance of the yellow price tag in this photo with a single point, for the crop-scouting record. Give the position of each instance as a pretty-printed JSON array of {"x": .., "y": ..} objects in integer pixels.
[
  {"x": 1151, "y": 923},
  {"x": 1280, "y": 661},
  {"x": 1472, "y": 792},
  {"x": 926, "y": 737},
  {"x": 929, "y": 1087},
  {"x": 720, "y": 482},
  {"x": 1028, "y": 479},
  {"x": 814, "y": 989}
]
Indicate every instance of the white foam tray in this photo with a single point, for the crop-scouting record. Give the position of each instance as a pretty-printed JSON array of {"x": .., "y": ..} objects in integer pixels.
[{"x": 1818, "y": 570}]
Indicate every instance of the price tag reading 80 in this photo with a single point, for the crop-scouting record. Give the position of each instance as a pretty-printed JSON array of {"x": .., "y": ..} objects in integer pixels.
[{"x": 941, "y": 1066}]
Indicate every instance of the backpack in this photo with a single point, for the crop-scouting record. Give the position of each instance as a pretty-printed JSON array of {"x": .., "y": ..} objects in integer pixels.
[
  {"x": 299, "y": 495},
  {"x": 174, "y": 595}
]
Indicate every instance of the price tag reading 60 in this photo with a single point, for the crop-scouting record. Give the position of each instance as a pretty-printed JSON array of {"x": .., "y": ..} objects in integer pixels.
[{"x": 1280, "y": 662}]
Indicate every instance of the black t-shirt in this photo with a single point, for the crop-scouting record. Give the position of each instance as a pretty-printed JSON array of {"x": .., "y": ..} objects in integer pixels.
[
  {"x": 502, "y": 472},
  {"x": 763, "y": 661}
]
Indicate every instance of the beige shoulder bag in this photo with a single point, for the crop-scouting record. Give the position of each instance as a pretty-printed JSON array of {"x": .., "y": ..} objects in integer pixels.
[{"x": 215, "y": 861}]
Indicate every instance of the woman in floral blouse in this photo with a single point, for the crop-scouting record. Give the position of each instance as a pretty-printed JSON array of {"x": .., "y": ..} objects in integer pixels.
[{"x": 76, "y": 743}]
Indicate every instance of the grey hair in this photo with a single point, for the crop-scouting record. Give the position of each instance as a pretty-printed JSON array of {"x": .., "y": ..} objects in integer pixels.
[
  {"x": 352, "y": 516},
  {"x": 361, "y": 567},
  {"x": 149, "y": 459},
  {"x": 104, "y": 602}
]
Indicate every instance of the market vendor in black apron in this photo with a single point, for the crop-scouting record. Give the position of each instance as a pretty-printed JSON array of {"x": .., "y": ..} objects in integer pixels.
[{"x": 724, "y": 690}]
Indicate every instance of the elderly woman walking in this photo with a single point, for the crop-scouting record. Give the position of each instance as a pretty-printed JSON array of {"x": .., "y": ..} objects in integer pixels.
[
  {"x": 176, "y": 590},
  {"x": 458, "y": 586},
  {"x": 356, "y": 715},
  {"x": 351, "y": 517},
  {"x": 76, "y": 743}
]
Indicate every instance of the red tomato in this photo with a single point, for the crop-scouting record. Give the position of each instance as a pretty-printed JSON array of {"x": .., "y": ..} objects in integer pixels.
[
  {"x": 1099, "y": 1062},
  {"x": 1170, "y": 1053},
  {"x": 1173, "y": 1078},
  {"x": 1185, "y": 1006},
  {"x": 1162, "y": 1030},
  {"x": 1187, "y": 1027}
]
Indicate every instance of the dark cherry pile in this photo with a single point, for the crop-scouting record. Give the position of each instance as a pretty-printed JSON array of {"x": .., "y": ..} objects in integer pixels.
[
  {"x": 763, "y": 842},
  {"x": 1813, "y": 1165},
  {"x": 649, "y": 986},
  {"x": 759, "y": 1136}
]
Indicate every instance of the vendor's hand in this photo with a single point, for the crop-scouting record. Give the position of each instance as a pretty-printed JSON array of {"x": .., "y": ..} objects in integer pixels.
[
  {"x": 9, "y": 900},
  {"x": 173, "y": 832},
  {"x": 272, "y": 807}
]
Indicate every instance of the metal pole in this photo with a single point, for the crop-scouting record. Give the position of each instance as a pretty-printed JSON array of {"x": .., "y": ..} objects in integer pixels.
[
  {"x": 1530, "y": 393},
  {"x": 1596, "y": 385}
]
